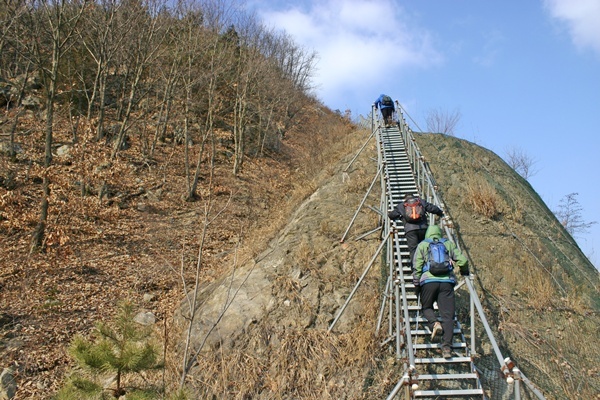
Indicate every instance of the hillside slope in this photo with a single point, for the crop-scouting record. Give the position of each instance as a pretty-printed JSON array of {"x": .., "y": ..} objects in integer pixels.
[
  {"x": 540, "y": 289},
  {"x": 122, "y": 230},
  {"x": 282, "y": 219},
  {"x": 540, "y": 292}
]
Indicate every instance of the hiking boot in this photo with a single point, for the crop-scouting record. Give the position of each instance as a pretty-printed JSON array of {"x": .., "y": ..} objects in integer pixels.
[
  {"x": 446, "y": 352},
  {"x": 437, "y": 330}
]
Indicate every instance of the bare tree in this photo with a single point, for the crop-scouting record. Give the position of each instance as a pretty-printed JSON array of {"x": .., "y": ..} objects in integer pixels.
[
  {"x": 294, "y": 62},
  {"x": 246, "y": 80},
  {"x": 145, "y": 44},
  {"x": 206, "y": 60},
  {"x": 53, "y": 23},
  {"x": 569, "y": 214},
  {"x": 102, "y": 35},
  {"x": 439, "y": 121},
  {"x": 521, "y": 162}
]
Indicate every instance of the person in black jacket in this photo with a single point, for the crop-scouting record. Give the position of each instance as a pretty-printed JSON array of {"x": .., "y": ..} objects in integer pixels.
[{"x": 413, "y": 210}]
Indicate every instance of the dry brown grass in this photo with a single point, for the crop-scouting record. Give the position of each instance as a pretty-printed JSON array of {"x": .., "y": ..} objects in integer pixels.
[
  {"x": 555, "y": 349},
  {"x": 299, "y": 364},
  {"x": 543, "y": 291},
  {"x": 483, "y": 198}
]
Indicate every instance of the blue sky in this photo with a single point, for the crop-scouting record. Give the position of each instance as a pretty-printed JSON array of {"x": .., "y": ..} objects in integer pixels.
[{"x": 522, "y": 74}]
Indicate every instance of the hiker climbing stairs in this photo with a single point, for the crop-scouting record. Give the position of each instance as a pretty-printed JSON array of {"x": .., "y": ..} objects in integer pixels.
[
  {"x": 423, "y": 373},
  {"x": 434, "y": 375}
]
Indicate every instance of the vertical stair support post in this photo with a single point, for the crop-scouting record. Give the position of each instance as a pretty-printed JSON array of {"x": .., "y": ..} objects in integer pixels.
[
  {"x": 373, "y": 117},
  {"x": 419, "y": 170},
  {"x": 409, "y": 346},
  {"x": 390, "y": 299},
  {"x": 472, "y": 312},
  {"x": 517, "y": 378},
  {"x": 421, "y": 173},
  {"x": 398, "y": 322},
  {"x": 384, "y": 180},
  {"x": 486, "y": 325},
  {"x": 388, "y": 290}
]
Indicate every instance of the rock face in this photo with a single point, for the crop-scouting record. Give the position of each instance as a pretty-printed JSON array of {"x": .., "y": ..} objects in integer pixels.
[
  {"x": 8, "y": 386},
  {"x": 299, "y": 281},
  {"x": 288, "y": 282}
]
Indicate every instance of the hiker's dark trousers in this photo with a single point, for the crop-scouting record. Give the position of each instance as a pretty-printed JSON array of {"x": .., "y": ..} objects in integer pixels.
[
  {"x": 413, "y": 238},
  {"x": 443, "y": 293},
  {"x": 387, "y": 114}
]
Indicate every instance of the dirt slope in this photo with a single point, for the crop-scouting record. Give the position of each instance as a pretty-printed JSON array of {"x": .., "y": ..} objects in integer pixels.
[
  {"x": 139, "y": 240},
  {"x": 283, "y": 216}
]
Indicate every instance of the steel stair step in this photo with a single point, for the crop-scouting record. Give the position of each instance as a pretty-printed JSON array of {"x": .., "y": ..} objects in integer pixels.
[
  {"x": 443, "y": 394},
  {"x": 424, "y": 346},
  {"x": 427, "y": 377},
  {"x": 440, "y": 360},
  {"x": 427, "y": 332}
]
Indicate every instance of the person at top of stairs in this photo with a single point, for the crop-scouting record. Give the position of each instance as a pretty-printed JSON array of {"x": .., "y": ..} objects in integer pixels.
[
  {"x": 434, "y": 278},
  {"x": 413, "y": 210},
  {"x": 386, "y": 106}
]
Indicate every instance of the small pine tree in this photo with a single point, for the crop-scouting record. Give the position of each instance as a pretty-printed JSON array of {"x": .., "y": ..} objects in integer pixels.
[{"x": 118, "y": 349}]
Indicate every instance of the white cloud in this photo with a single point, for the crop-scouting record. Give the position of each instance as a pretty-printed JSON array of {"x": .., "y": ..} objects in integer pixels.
[
  {"x": 491, "y": 48},
  {"x": 582, "y": 19},
  {"x": 358, "y": 42}
]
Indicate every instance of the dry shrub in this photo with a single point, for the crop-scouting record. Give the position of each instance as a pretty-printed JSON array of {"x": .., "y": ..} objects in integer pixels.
[
  {"x": 520, "y": 273},
  {"x": 290, "y": 286},
  {"x": 576, "y": 301},
  {"x": 304, "y": 254},
  {"x": 483, "y": 198},
  {"x": 564, "y": 365},
  {"x": 542, "y": 291},
  {"x": 516, "y": 214}
]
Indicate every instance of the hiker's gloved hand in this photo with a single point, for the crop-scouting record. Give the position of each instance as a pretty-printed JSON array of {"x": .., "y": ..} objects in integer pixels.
[
  {"x": 417, "y": 290},
  {"x": 465, "y": 273},
  {"x": 417, "y": 285}
]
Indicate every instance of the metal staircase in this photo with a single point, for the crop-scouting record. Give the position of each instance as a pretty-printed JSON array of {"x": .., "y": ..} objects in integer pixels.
[
  {"x": 425, "y": 373},
  {"x": 433, "y": 375}
]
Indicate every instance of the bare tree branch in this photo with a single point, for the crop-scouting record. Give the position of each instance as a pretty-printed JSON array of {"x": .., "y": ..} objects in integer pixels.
[
  {"x": 521, "y": 162},
  {"x": 569, "y": 214},
  {"x": 439, "y": 121}
]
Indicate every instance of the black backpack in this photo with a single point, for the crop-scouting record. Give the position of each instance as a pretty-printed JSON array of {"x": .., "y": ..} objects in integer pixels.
[{"x": 387, "y": 101}]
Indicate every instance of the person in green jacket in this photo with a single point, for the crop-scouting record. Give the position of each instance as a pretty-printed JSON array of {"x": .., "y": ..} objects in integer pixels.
[{"x": 438, "y": 287}]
